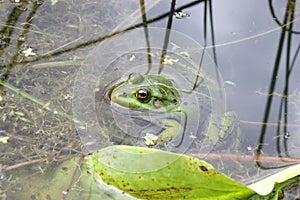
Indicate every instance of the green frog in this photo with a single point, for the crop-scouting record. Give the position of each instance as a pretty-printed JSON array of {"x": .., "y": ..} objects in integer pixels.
[{"x": 157, "y": 93}]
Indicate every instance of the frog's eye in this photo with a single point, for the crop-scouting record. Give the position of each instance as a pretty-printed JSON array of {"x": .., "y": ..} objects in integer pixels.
[{"x": 142, "y": 95}]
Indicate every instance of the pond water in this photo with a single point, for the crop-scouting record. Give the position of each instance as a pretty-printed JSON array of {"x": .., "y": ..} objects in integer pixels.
[{"x": 251, "y": 54}]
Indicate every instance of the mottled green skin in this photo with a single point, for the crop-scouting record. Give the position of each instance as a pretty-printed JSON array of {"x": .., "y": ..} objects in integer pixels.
[{"x": 163, "y": 95}]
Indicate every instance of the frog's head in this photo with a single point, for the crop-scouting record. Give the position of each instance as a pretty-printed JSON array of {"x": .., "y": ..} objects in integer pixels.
[{"x": 150, "y": 92}]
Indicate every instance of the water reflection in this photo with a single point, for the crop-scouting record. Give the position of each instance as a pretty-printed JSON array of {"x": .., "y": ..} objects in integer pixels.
[
  {"x": 282, "y": 132},
  {"x": 6, "y": 34}
]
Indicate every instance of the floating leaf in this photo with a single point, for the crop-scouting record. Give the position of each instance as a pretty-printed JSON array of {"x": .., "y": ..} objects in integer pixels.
[
  {"x": 153, "y": 174},
  {"x": 265, "y": 186}
]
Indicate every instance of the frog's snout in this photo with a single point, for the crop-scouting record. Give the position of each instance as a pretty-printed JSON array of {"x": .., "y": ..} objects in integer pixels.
[{"x": 116, "y": 95}]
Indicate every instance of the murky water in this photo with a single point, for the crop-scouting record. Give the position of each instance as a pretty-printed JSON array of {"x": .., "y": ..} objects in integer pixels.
[{"x": 43, "y": 45}]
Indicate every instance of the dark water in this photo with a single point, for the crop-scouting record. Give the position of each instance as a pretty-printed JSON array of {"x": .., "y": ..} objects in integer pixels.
[
  {"x": 42, "y": 47},
  {"x": 248, "y": 49}
]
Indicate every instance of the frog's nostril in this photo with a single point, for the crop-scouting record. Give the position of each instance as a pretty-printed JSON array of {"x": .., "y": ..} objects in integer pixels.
[
  {"x": 175, "y": 101},
  {"x": 123, "y": 94}
]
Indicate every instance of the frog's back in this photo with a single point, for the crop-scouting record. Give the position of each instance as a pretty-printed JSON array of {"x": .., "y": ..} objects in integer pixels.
[
  {"x": 160, "y": 79},
  {"x": 165, "y": 88}
]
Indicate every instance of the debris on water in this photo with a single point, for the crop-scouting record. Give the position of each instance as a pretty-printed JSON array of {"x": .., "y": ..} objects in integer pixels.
[
  {"x": 287, "y": 135},
  {"x": 3, "y": 43},
  {"x": 68, "y": 97},
  {"x": 185, "y": 53},
  {"x": 181, "y": 15},
  {"x": 174, "y": 46},
  {"x": 53, "y": 2},
  {"x": 29, "y": 52},
  {"x": 21, "y": 39},
  {"x": 170, "y": 61},
  {"x": 4, "y": 139},
  {"x": 132, "y": 57},
  {"x": 150, "y": 139},
  {"x": 230, "y": 83}
]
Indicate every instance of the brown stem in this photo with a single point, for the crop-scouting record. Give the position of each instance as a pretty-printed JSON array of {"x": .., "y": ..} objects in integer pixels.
[
  {"x": 246, "y": 158},
  {"x": 23, "y": 164}
]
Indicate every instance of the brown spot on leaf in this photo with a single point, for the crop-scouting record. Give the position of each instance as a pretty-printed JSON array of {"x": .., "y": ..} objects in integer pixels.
[
  {"x": 203, "y": 168},
  {"x": 64, "y": 168}
]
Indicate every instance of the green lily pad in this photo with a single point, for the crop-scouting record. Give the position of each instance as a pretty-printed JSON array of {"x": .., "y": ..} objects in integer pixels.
[{"x": 167, "y": 175}]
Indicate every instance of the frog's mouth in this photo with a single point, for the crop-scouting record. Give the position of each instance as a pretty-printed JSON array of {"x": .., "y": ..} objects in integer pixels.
[{"x": 108, "y": 91}]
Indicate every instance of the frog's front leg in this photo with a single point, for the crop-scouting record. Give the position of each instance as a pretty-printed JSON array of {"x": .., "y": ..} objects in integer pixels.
[{"x": 172, "y": 129}]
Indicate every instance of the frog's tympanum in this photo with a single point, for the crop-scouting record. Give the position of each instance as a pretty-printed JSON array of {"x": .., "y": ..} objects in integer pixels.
[{"x": 154, "y": 93}]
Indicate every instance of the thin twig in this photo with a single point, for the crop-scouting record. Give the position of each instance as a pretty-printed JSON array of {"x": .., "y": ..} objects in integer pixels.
[
  {"x": 246, "y": 158},
  {"x": 30, "y": 162}
]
